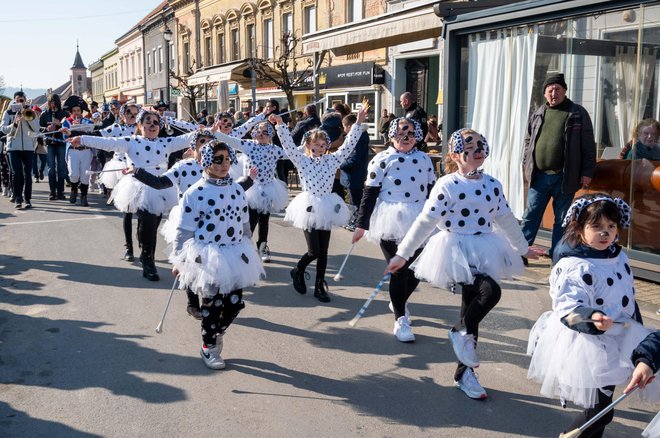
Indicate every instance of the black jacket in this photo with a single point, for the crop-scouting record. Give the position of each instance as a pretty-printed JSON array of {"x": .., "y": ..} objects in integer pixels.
[
  {"x": 415, "y": 112},
  {"x": 648, "y": 351},
  {"x": 304, "y": 125},
  {"x": 579, "y": 147},
  {"x": 47, "y": 117},
  {"x": 357, "y": 163}
]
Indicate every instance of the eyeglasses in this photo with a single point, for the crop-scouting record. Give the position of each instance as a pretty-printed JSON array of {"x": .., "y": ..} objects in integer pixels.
[{"x": 219, "y": 159}]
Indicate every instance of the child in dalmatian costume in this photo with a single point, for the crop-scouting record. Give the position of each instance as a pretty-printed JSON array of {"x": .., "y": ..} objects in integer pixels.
[
  {"x": 398, "y": 183},
  {"x": 183, "y": 175},
  {"x": 226, "y": 124},
  {"x": 213, "y": 255},
  {"x": 269, "y": 194},
  {"x": 463, "y": 208},
  {"x": 145, "y": 150},
  {"x": 111, "y": 174},
  {"x": 581, "y": 349},
  {"x": 316, "y": 209}
]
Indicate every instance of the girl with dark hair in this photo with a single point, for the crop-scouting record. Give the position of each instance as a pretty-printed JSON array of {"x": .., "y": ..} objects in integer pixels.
[
  {"x": 212, "y": 256},
  {"x": 464, "y": 207},
  {"x": 316, "y": 210},
  {"x": 580, "y": 350},
  {"x": 144, "y": 149}
]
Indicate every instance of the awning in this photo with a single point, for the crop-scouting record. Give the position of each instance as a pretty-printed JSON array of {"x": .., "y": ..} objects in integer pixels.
[
  {"x": 404, "y": 26},
  {"x": 238, "y": 72}
]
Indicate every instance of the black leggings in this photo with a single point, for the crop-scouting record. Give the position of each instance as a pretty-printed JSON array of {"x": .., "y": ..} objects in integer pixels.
[
  {"x": 403, "y": 282},
  {"x": 220, "y": 311},
  {"x": 128, "y": 229},
  {"x": 262, "y": 220},
  {"x": 148, "y": 230},
  {"x": 317, "y": 249},
  {"x": 476, "y": 301},
  {"x": 597, "y": 429}
]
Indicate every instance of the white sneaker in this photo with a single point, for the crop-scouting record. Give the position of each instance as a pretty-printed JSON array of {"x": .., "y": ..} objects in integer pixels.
[
  {"x": 463, "y": 345},
  {"x": 402, "y": 330},
  {"x": 264, "y": 252},
  {"x": 5, "y": 192},
  {"x": 211, "y": 356},
  {"x": 407, "y": 312},
  {"x": 470, "y": 385}
]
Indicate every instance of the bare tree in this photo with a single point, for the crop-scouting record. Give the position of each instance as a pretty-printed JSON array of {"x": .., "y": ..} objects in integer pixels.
[
  {"x": 191, "y": 92},
  {"x": 284, "y": 70}
]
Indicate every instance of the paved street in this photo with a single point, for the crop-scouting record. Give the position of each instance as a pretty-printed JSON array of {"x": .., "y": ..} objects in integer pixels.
[{"x": 79, "y": 355}]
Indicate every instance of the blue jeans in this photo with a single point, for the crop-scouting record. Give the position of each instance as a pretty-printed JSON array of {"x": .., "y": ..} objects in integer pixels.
[
  {"x": 57, "y": 172},
  {"x": 39, "y": 164},
  {"x": 21, "y": 164},
  {"x": 542, "y": 188}
]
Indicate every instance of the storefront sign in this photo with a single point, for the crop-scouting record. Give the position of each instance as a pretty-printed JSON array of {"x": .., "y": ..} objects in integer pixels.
[
  {"x": 233, "y": 89},
  {"x": 351, "y": 75}
]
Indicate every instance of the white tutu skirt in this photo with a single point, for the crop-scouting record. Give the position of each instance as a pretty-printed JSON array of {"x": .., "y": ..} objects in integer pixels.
[
  {"x": 270, "y": 197},
  {"x": 573, "y": 365},
  {"x": 111, "y": 176},
  {"x": 204, "y": 267},
  {"x": 392, "y": 220},
  {"x": 168, "y": 230},
  {"x": 317, "y": 212},
  {"x": 237, "y": 171},
  {"x": 456, "y": 258},
  {"x": 130, "y": 195}
]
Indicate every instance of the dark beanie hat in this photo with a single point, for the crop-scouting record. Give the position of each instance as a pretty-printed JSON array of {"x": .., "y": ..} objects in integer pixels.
[{"x": 555, "y": 78}]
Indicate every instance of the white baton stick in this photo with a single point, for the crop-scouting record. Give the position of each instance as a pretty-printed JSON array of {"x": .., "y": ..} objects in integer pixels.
[
  {"x": 339, "y": 277},
  {"x": 370, "y": 299},
  {"x": 159, "y": 329}
]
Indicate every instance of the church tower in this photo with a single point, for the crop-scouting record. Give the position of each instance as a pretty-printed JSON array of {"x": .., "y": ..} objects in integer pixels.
[{"x": 78, "y": 75}]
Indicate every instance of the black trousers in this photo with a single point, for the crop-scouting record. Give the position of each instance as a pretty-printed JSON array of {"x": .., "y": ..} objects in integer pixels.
[
  {"x": 318, "y": 242},
  {"x": 477, "y": 300},
  {"x": 260, "y": 219},
  {"x": 597, "y": 429},
  {"x": 403, "y": 282},
  {"x": 148, "y": 230},
  {"x": 128, "y": 229},
  {"x": 218, "y": 313}
]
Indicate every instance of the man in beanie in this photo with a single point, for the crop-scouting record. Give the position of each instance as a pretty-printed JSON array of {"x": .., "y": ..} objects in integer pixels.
[{"x": 559, "y": 157}]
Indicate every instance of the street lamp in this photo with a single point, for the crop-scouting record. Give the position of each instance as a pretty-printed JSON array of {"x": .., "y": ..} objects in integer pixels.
[{"x": 167, "y": 36}]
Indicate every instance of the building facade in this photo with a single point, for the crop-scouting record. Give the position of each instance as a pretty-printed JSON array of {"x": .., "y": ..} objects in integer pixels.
[
  {"x": 158, "y": 54},
  {"x": 111, "y": 74},
  {"x": 131, "y": 66},
  {"x": 96, "y": 72}
]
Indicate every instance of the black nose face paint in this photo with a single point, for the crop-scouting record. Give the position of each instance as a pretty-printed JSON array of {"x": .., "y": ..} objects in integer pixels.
[
  {"x": 480, "y": 147},
  {"x": 466, "y": 154}
]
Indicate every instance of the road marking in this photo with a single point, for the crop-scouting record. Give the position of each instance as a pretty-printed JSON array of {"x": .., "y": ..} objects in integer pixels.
[{"x": 57, "y": 220}]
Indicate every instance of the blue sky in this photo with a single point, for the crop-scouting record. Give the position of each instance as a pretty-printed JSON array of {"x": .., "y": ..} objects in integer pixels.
[{"x": 39, "y": 36}]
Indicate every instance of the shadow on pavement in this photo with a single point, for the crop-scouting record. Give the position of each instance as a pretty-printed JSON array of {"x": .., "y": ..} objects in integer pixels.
[{"x": 15, "y": 423}]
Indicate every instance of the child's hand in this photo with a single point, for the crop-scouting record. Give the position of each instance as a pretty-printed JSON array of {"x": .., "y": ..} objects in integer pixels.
[
  {"x": 129, "y": 170},
  {"x": 253, "y": 173},
  {"x": 189, "y": 153},
  {"x": 65, "y": 131},
  {"x": 357, "y": 235},
  {"x": 642, "y": 376},
  {"x": 364, "y": 111},
  {"x": 75, "y": 142},
  {"x": 275, "y": 119},
  {"x": 604, "y": 322},
  {"x": 534, "y": 252},
  {"x": 175, "y": 272},
  {"x": 395, "y": 264}
]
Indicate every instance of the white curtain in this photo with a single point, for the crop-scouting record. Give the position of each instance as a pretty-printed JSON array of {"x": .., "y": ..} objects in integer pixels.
[
  {"x": 500, "y": 78},
  {"x": 621, "y": 116}
]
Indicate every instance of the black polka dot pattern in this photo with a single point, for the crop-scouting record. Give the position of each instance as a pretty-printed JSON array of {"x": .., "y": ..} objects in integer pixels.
[{"x": 184, "y": 174}]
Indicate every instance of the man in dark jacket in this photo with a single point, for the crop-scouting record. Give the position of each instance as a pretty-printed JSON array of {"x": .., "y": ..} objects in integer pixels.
[
  {"x": 309, "y": 121},
  {"x": 354, "y": 169},
  {"x": 415, "y": 112},
  {"x": 559, "y": 157},
  {"x": 50, "y": 121}
]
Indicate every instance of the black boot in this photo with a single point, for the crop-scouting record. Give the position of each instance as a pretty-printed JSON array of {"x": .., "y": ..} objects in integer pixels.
[
  {"x": 74, "y": 193},
  {"x": 193, "y": 305},
  {"x": 83, "y": 195},
  {"x": 321, "y": 291},
  {"x": 149, "y": 270},
  {"x": 298, "y": 277},
  {"x": 128, "y": 256}
]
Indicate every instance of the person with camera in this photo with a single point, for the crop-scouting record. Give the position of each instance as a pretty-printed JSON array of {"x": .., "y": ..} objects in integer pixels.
[
  {"x": 20, "y": 124},
  {"x": 51, "y": 121}
]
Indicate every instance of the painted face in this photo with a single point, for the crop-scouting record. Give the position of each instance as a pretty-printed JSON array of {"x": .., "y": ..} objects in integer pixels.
[
  {"x": 601, "y": 234},
  {"x": 261, "y": 134},
  {"x": 150, "y": 126},
  {"x": 473, "y": 154},
  {"x": 649, "y": 136},
  {"x": 201, "y": 141},
  {"x": 130, "y": 114},
  {"x": 226, "y": 125},
  {"x": 405, "y": 137},
  {"x": 317, "y": 147},
  {"x": 220, "y": 166},
  {"x": 554, "y": 94}
]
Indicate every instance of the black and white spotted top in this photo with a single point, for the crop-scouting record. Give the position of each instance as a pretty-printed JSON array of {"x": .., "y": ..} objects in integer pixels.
[
  {"x": 401, "y": 177},
  {"x": 184, "y": 174},
  {"x": 241, "y": 131},
  {"x": 318, "y": 174},
  {"x": 142, "y": 152},
  {"x": 118, "y": 130},
  {"x": 263, "y": 156},
  {"x": 215, "y": 213},
  {"x": 466, "y": 206},
  {"x": 604, "y": 285}
]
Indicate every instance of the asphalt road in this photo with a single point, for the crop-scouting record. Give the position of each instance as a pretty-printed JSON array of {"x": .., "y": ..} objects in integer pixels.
[{"x": 79, "y": 355}]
